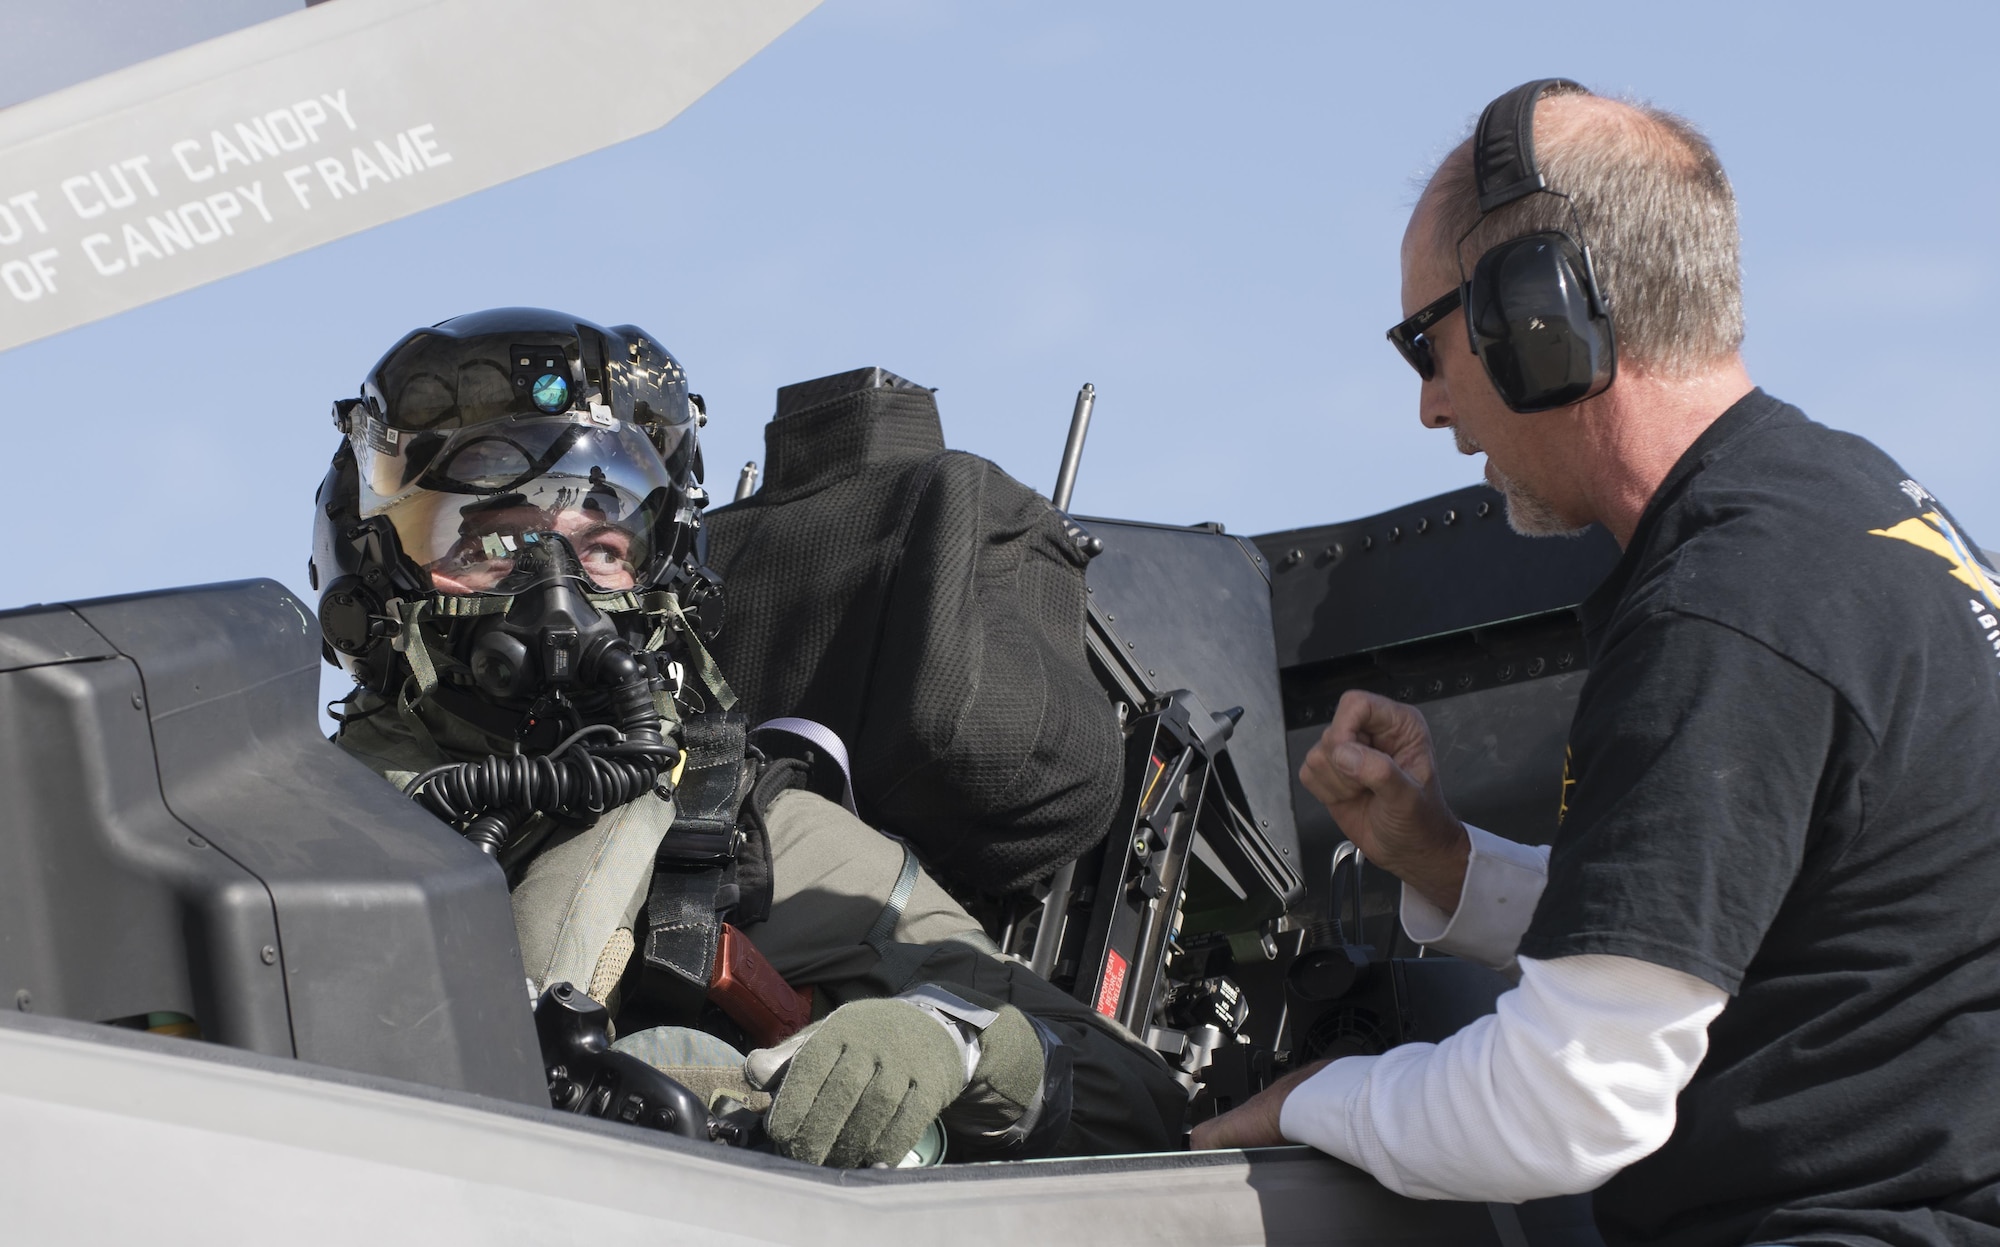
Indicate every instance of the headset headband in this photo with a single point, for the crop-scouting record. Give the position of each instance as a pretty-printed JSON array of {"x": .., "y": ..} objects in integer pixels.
[{"x": 1503, "y": 147}]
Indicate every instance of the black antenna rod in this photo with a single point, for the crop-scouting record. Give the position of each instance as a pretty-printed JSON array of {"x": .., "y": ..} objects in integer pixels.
[{"x": 1079, "y": 424}]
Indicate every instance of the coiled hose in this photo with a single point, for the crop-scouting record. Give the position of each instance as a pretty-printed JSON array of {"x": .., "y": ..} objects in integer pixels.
[{"x": 491, "y": 797}]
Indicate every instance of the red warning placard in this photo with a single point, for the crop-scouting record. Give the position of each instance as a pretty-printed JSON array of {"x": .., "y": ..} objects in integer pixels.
[{"x": 1114, "y": 984}]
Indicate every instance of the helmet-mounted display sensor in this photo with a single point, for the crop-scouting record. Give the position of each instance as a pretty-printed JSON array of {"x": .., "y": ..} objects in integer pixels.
[{"x": 544, "y": 375}]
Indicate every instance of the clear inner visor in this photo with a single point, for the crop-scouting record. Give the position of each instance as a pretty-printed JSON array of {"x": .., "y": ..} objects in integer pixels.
[{"x": 476, "y": 499}]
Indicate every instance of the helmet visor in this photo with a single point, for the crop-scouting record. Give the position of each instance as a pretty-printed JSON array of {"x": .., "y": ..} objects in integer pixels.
[{"x": 466, "y": 502}]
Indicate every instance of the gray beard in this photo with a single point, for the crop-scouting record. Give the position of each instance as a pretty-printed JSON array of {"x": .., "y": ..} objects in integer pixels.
[{"x": 1528, "y": 513}]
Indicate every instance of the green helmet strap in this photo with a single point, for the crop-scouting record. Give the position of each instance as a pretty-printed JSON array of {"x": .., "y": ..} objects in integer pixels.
[{"x": 661, "y": 606}]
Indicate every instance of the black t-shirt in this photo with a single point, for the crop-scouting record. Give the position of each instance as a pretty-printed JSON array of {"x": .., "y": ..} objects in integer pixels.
[{"x": 1785, "y": 780}]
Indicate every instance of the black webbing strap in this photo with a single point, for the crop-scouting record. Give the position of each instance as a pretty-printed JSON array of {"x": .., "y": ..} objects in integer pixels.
[
  {"x": 695, "y": 871},
  {"x": 884, "y": 930},
  {"x": 711, "y": 788},
  {"x": 682, "y": 926}
]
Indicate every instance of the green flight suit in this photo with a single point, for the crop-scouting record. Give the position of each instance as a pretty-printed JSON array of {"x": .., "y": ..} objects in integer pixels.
[{"x": 578, "y": 901}]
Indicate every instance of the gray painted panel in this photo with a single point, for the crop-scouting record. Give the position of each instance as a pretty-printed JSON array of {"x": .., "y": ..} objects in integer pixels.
[
  {"x": 110, "y": 907},
  {"x": 397, "y": 937},
  {"x": 205, "y": 1151},
  {"x": 1440, "y": 565},
  {"x": 38, "y": 635},
  {"x": 1196, "y": 606},
  {"x": 1500, "y": 754}
]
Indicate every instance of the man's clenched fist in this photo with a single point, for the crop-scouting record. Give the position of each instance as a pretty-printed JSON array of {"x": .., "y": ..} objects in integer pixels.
[{"x": 1374, "y": 771}]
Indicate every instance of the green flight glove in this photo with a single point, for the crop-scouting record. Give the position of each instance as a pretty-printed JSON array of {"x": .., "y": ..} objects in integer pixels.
[{"x": 859, "y": 1088}]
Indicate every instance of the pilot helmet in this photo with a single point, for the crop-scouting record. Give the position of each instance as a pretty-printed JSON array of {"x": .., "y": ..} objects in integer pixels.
[{"x": 507, "y": 477}]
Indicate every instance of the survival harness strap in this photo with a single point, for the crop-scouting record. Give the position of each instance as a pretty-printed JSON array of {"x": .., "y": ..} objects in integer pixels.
[
  {"x": 712, "y": 875},
  {"x": 696, "y": 872}
]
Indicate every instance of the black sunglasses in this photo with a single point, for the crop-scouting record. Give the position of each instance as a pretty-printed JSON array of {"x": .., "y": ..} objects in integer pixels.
[{"x": 1411, "y": 339}]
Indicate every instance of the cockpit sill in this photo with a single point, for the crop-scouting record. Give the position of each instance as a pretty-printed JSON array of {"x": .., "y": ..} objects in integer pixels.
[{"x": 308, "y": 1147}]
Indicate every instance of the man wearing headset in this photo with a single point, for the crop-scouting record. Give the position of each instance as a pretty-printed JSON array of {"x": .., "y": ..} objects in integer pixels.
[{"x": 1758, "y": 972}]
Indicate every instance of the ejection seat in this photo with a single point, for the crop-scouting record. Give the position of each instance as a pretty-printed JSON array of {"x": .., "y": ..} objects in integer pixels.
[{"x": 1076, "y": 724}]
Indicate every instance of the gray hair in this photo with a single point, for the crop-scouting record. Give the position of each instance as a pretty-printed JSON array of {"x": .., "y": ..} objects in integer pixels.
[{"x": 1657, "y": 211}]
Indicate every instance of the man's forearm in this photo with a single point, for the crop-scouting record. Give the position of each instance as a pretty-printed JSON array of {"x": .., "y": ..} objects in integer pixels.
[
  {"x": 1496, "y": 887},
  {"x": 1253, "y": 1123},
  {"x": 1573, "y": 1079}
]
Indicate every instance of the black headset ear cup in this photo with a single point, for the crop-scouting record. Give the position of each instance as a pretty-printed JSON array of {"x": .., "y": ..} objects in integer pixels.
[
  {"x": 1538, "y": 323},
  {"x": 348, "y": 611}
]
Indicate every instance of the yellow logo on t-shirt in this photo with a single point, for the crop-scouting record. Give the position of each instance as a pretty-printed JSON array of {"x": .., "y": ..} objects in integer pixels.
[{"x": 1933, "y": 532}]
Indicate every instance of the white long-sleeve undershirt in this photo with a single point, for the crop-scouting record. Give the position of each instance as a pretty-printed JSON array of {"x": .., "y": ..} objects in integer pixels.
[{"x": 1572, "y": 1079}]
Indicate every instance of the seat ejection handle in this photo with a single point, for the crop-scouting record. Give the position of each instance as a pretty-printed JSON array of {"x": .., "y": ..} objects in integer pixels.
[{"x": 1055, "y": 907}]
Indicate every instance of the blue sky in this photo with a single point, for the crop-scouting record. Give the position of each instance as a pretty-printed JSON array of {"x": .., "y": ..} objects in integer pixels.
[{"x": 1195, "y": 207}]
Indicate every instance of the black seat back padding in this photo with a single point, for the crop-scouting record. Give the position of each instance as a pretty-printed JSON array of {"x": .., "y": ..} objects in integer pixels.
[{"x": 930, "y": 610}]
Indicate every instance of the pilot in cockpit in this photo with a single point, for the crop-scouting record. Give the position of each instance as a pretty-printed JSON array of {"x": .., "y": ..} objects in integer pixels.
[{"x": 506, "y": 543}]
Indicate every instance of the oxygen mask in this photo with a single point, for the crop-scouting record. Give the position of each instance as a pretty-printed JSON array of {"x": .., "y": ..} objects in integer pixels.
[
  {"x": 551, "y": 639},
  {"x": 559, "y": 657},
  {"x": 552, "y": 646}
]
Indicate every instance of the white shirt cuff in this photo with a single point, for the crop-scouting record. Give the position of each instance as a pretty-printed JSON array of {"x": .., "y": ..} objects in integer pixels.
[
  {"x": 1317, "y": 1110},
  {"x": 1503, "y": 880}
]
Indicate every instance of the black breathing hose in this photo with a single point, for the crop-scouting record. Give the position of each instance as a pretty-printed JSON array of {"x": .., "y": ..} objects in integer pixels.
[{"x": 493, "y": 796}]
